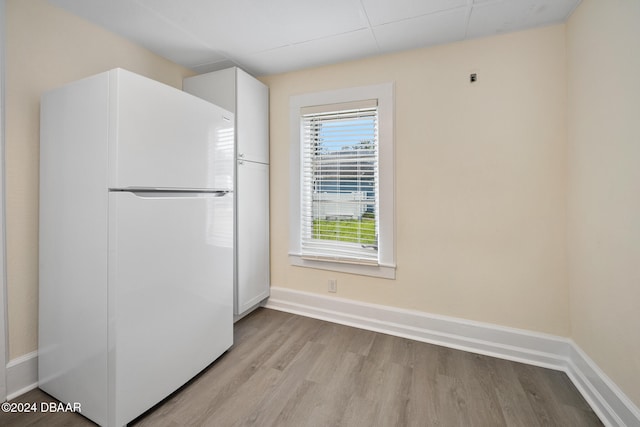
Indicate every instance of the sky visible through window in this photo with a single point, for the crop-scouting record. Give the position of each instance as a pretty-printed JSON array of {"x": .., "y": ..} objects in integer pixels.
[{"x": 341, "y": 134}]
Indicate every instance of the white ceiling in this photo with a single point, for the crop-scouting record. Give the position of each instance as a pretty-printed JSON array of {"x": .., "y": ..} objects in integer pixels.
[{"x": 274, "y": 36}]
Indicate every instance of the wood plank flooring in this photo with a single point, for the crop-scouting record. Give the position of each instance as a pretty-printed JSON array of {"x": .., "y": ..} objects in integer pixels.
[{"x": 288, "y": 370}]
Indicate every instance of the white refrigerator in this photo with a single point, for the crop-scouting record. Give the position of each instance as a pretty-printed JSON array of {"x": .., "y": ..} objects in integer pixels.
[{"x": 136, "y": 242}]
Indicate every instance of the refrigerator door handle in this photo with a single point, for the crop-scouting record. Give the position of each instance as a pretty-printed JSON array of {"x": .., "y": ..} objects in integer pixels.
[{"x": 146, "y": 194}]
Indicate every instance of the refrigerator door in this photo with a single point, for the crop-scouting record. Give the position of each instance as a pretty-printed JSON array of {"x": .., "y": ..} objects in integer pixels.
[
  {"x": 161, "y": 137},
  {"x": 170, "y": 293}
]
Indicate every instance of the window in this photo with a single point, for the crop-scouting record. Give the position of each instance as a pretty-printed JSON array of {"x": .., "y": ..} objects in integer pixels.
[
  {"x": 342, "y": 210},
  {"x": 340, "y": 182}
]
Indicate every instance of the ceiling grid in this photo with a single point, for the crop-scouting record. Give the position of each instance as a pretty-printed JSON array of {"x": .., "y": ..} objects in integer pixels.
[{"x": 275, "y": 36}]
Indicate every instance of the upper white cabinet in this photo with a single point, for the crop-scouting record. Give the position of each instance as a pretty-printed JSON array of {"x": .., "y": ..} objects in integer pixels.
[
  {"x": 252, "y": 121},
  {"x": 236, "y": 91}
]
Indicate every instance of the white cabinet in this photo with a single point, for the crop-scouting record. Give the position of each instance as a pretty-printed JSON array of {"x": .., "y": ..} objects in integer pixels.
[
  {"x": 236, "y": 91},
  {"x": 252, "y": 262},
  {"x": 252, "y": 119}
]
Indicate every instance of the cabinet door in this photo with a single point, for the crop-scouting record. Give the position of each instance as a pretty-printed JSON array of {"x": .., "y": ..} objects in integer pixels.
[
  {"x": 252, "y": 261},
  {"x": 252, "y": 119},
  {"x": 217, "y": 87}
]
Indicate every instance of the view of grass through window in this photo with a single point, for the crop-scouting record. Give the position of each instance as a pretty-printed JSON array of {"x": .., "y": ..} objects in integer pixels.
[{"x": 361, "y": 231}]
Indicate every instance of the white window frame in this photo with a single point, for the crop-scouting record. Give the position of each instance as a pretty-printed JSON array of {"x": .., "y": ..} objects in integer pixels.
[{"x": 384, "y": 93}]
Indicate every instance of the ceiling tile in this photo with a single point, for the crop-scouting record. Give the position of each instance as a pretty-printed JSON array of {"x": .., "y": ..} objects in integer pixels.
[
  {"x": 426, "y": 30},
  {"x": 508, "y": 15},
  {"x": 385, "y": 11},
  {"x": 551, "y": 11},
  {"x": 497, "y": 17},
  {"x": 137, "y": 24},
  {"x": 344, "y": 47},
  {"x": 249, "y": 26}
]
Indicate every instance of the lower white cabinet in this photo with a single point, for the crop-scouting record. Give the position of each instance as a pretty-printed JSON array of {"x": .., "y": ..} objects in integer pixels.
[{"x": 252, "y": 235}]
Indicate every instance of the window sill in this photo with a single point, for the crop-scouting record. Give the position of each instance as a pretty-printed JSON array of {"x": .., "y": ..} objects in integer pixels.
[{"x": 381, "y": 271}]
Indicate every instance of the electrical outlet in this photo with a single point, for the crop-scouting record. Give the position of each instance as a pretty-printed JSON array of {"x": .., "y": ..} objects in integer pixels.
[{"x": 332, "y": 285}]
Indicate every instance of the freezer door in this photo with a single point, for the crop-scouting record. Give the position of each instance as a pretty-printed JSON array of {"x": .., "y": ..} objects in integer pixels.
[
  {"x": 161, "y": 137},
  {"x": 170, "y": 294}
]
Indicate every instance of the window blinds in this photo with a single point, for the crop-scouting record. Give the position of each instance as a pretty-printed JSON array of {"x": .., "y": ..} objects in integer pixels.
[{"x": 339, "y": 200}]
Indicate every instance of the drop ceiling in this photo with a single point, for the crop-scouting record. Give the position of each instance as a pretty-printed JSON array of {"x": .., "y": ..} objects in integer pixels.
[{"x": 274, "y": 36}]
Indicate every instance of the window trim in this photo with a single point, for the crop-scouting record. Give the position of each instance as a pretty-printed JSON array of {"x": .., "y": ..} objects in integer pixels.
[{"x": 384, "y": 93}]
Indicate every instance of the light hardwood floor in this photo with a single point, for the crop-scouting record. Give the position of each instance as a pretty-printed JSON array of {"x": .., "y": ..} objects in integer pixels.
[{"x": 289, "y": 370}]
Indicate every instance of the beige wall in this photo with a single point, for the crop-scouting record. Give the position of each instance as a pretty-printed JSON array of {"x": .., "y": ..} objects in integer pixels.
[
  {"x": 603, "y": 49},
  {"x": 47, "y": 47},
  {"x": 481, "y": 180}
]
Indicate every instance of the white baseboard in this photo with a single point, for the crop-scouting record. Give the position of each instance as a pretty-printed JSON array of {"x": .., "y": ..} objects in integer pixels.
[
  {"x": 22, "y": 374},
  {"x": 610, "y": 404},
  {"x": 607, "y": 400}
]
